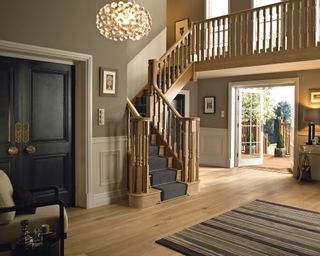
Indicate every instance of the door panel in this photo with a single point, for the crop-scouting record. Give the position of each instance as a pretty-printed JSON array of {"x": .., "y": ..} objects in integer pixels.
[
  {"x": 39, "y": 97},
  {"x": 250, "y": 145},
  {"x": 49, "y": 99}
]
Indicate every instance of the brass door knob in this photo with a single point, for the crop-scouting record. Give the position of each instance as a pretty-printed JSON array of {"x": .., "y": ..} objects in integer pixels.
[
  {"x": 13, "y": 150},
  {"x": 30, "y": 149}
]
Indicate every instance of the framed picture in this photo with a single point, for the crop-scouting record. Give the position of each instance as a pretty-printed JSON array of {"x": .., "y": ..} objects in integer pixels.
[
  {"x": 108, "y": 82},
  {"x": 314, "y": 96},
  {"x": 209, "y": 105},
  {"x": 181, "y": 27}
]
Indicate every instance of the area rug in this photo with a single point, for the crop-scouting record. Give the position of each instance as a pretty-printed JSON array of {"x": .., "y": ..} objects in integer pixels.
[{"x": 258, "y": 228}]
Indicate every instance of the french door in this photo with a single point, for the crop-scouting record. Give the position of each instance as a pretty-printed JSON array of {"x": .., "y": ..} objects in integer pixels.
[
  {"x": 36, "y": 125},
  {"x": 250, "y": 127}
]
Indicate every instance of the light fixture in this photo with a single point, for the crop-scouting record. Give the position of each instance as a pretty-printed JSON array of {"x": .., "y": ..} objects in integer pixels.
[
  {"x": 311, "y": 116},
  {"x": 121, "y": 21}
]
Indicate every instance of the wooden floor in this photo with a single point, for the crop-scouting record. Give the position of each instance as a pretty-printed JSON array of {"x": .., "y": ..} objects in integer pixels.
[{"x": 119, "y": 230}]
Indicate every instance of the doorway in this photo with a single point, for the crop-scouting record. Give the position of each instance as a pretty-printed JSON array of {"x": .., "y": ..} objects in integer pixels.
[
  {"x": 262, "y": 119},
  {"x": 37, "y": 125}
]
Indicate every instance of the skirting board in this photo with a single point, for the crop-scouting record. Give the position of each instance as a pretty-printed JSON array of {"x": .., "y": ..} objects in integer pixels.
[
  {"x": 109, "y": 165},
  {"x": 214, "y": 147}
]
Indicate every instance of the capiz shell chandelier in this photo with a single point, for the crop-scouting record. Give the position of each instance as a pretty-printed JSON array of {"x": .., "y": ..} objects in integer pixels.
[{"x": 121, "y": 21}]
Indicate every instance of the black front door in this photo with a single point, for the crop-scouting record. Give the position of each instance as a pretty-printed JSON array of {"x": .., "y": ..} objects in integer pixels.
[{"x": 36, "y": 125}]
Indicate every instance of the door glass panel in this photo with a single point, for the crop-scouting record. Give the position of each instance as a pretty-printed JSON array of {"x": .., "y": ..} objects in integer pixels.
[
  {"x": 250, "y": 127},
  {"x": 4, "y": 105}
]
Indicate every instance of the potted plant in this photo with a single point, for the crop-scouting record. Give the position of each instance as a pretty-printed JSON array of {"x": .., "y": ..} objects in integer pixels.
[
  {"x": 250, "y": 147},
  {"x": 280, "y": 150}
]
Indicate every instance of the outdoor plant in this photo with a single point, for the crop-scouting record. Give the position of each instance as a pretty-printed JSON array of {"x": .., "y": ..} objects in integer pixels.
[{"x": 280, "y": 141}]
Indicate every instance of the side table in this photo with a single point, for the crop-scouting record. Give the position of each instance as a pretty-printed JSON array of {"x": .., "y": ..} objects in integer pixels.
[{"x": 313, "y": 152}]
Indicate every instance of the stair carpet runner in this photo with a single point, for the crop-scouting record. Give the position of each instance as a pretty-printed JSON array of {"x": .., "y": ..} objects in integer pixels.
[{"x": 162, "y": 177}]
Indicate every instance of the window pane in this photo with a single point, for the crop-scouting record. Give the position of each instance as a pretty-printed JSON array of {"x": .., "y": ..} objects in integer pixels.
[
  {"x": 259, "y": 3},
  {"x": 216, "y": 8}
]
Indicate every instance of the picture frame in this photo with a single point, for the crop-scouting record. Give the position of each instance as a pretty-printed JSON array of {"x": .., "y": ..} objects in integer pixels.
[
  {"x": 209, "y": 105},
  {"x": 314, "y": 96},
  {"x": 181, "y": 27},
  {"x": 108, "y": 82}
]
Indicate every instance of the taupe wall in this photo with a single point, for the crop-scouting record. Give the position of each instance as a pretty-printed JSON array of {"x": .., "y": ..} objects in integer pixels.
[
  {"x": 181, "y": 9},
  {"x": 192, "y": 87},
  {"x": 70, "y": 25},
  {"x": 219, "y": 88},
  {"x": 236, "y": 5}
]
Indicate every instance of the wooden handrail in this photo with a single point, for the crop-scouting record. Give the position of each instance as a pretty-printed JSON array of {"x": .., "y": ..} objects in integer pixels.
[
  {"x": 243, "y": 11},
  {"x": 132, "y": 109},
  {"x": 174, "y": 46}
]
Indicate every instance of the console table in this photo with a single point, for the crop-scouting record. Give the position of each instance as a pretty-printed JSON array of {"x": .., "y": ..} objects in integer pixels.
[{"x": 313, "y": 153}]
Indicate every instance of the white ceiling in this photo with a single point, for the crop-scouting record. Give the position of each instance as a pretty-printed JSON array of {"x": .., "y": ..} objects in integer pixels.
[{"x": 264, "y": 69}]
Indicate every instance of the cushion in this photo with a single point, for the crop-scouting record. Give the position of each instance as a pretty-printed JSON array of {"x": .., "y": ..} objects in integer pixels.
[
  {"x": 5, "y": 184},
  {"x": 22, "y": 196},
  {"x": 6, "y": 200},
  {"x": 44, "y": 215}
]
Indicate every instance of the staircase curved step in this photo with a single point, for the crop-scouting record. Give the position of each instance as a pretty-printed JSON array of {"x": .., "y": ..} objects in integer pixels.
[
  {"x": 172, "y": 190},
  {"x": 163, "y": 176}
]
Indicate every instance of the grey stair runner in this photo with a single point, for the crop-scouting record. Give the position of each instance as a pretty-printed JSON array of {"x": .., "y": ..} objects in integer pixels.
[{"x": 162, "y": 177}]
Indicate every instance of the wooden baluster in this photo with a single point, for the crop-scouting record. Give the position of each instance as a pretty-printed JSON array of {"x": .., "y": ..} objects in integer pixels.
[
  {"x": 197, "y": 149},
  {"x": 179, "y": 144},
  {"x": 213, "y": 50},
  {"x": 311, "y": 23},
  {"x": 164, "y": 106},
  {"x": 208, "y": 40},
  {"x": 224, "y": 37},
  {"x": 271, "y": 30},
  {"x": 186, "y": 56},
  {"x": 241, "y": 32},
  {"x": 264, "y": 31},
  {"x": 230, "y": 28},
  {"x": 159, "y": 114},
  {"x": 197, "y": 42},
  {"x": 203, "y": 41},
  {"x": 235, "y": 36},
  {"x": 250, "y": 32},
  {"x": 155, "y": 102},
  {"x": 165, "y": 75},
  {"x": 219, "y": 41},
  {"x": 290, "y": 25},
  {"x": 258, "y": 32},
  {"x": 284, "y": 27},
  {"x": 146, "y": 179},
  {"x": 278, "y": 28},
  {"x": 174, "y": 134},
  {"x": 185, "y": 150},
  {"x": 169, "y": 71},
  {"x": 174, "y": 64},
  {"x": 129, "y": 182},
  {"x": 169, "y": 127}
]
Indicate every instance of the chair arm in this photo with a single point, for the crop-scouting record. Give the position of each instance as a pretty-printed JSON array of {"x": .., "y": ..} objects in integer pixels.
[
  {"x": 47, "y": 188},
  {"x": 38, "y": 205}
]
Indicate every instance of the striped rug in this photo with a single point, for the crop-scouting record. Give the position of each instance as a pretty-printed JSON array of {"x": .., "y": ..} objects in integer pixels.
[{"x": 258, "y": 228}]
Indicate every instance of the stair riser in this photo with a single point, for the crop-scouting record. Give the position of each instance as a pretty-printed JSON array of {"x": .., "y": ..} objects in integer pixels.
[
  {"x": 156, "y": 163},
  {"x": 162, "y": 178}
]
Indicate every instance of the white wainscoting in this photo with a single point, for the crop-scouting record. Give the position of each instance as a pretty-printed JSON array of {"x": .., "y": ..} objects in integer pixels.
[
  {"x": 109, "y": 157},
  {"x": 214, "y": 146}
]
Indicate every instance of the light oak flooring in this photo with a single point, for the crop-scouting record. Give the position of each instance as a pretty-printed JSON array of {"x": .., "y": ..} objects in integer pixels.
[{"x": 119, "y": 230}]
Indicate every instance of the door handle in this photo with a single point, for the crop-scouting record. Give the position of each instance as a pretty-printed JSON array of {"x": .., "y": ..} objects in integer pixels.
[
  {"x": 13, "y": 150},
  {"x": 30, "y": 149}
]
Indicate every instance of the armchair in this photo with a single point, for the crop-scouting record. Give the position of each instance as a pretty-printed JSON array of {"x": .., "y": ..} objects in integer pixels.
[{"x": 52, "y": 213}]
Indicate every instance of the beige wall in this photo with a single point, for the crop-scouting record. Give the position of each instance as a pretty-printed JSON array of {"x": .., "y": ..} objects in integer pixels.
[
  {"x": 219, "y": 88},
  {"x": 181, "y": 9},
  {"x": 70, "y": 25}
]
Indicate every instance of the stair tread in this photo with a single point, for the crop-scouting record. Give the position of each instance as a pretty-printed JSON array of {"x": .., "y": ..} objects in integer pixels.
[{"x": 172, "y": 190}]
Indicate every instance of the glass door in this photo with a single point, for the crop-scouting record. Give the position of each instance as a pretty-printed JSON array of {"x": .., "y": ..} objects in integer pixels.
[{"x": 250, "y": 127}]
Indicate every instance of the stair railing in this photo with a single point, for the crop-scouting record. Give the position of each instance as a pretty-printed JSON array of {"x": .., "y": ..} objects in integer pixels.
[
  {"x": 138, "y": 151},
  {"x": 278, "y": 27},
  {"x": 174, "y": 62},
  {"x": 180, "y": 134}
]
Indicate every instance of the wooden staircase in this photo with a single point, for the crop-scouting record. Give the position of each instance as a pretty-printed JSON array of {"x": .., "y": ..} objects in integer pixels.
[{"x": 163, "y": 146}]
